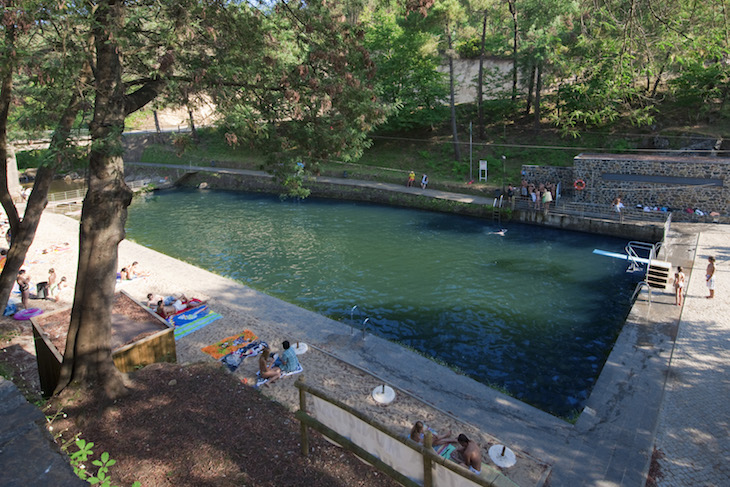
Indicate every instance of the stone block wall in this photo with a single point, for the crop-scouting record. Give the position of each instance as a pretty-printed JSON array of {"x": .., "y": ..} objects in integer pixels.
[
  {"x": 675, "y": 182},
  {"x": 550, "y": 174}
]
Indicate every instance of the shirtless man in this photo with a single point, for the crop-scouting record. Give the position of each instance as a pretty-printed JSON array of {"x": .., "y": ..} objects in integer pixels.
[
  {"x": 23, "y": 281},
  {"x": 710, "y": 277},
  {"x": 468, "y": 454}
]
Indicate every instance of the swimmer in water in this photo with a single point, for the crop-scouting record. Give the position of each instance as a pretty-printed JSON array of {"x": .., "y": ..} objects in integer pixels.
[{"x": 501, "y": 232}]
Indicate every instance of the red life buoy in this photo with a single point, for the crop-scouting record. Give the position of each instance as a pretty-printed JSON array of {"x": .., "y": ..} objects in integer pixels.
[{"x": 579, "y": 184}]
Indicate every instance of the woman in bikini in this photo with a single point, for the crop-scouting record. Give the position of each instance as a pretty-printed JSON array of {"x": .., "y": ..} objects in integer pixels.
[
  {"x": 679, "y": 280},
  {"x": 266, "y": 367}
]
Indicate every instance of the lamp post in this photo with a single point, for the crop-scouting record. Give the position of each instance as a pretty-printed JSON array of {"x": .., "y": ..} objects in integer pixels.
[{"x": 504, "y": 171}]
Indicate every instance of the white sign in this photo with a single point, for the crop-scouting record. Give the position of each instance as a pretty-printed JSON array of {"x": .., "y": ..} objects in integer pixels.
[{"x": 482, "y": 170}]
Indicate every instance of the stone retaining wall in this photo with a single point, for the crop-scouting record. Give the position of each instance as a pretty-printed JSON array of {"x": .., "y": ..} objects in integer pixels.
[{"x": 674, "y": 182}]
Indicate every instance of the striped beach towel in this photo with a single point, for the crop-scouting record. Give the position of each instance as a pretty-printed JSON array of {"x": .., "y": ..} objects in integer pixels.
[
  {"x": 230, "y": 344},
  {"x": 192, "y": 319}
]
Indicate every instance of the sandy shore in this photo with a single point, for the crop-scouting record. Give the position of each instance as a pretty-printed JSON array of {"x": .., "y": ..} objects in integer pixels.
[{"x": 272, "y": 321}]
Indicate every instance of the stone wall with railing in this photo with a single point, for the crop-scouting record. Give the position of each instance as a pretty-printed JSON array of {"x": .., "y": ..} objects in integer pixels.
[
  {"x": 550, "y": 174},
  {"x": 672, "y": 182}
]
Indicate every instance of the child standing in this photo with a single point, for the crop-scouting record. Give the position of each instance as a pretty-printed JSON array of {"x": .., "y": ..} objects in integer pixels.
[{"x": 678, "y": 286}]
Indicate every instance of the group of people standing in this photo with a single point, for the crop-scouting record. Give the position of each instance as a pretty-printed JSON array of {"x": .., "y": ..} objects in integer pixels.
[
  {"x": 412, "y": 180},
  {"x": 48, "y": 289},
  {"x": 538, "y": 197}
]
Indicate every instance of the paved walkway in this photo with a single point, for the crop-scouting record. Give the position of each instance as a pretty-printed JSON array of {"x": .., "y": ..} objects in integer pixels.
[
  {"x": 694, "y": 427},
  {"x": 28, "y": 456}
]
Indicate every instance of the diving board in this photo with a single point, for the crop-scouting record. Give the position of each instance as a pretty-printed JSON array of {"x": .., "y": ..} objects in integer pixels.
[
  {"x": 620, "y": 256},
  {"x": 657, "y": 273}
]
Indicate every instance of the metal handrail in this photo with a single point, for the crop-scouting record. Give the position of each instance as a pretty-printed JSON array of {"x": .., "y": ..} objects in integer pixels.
[{"x": 638, "y": 290}]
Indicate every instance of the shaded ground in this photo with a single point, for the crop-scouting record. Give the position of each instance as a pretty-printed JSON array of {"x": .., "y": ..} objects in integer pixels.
[{"x": 190, "y": 426}]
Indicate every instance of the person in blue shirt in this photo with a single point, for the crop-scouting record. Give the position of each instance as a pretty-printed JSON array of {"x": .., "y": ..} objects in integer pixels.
[{"x": 288, "y": 358}]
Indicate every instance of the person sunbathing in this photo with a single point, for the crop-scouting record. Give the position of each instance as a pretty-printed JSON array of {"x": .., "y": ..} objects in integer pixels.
[
  {"x": 178, "y": 306},
  {"x": 266, "y": 367},
  {"x": 134, "y": 272},
  {"x": 418, "y": 434},
  {"x": 164, "y": 311},
  {"x": 124, "y": 274}
]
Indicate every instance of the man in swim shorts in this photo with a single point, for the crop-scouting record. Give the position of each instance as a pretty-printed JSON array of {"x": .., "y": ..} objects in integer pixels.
[
  {"x": 710, "y": 277},
  {"x": 468, "y": 454},
  {"x": 23, "y": 281}
]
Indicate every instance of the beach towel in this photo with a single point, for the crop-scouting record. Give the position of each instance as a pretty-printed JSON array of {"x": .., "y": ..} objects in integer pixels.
[
  {"x": 234, "y": 359},
  {"x": 260, "y": 381},
  {"x": 192, "y": 319},
  {"x": 230, "y": 344},
  {"x": 445, "y": 450}
]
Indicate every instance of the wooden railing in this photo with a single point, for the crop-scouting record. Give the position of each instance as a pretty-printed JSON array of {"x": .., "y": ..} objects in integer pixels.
[{"x": 407, "y": 462}]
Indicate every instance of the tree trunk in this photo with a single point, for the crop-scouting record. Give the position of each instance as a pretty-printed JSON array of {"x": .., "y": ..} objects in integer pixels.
[
  {"x": 530, "y": 87},
  {"x": 193, "y": 130},
  {"x": 9, "y": 60},
  {"x": 480, "y": 80},
  {"x": 87, "y": 359},
  {"x": 513, "y": 11},
  {"x": 157, "y": 126},
  {"x": 457, "y": 150},
  {"x": 538, "y": 91},
  {"x": 23, "y": 231}
]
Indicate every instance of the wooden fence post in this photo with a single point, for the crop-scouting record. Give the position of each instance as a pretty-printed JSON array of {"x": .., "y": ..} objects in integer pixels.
[
  {"x": 427, "y": 468},
  {"x": 302, "y": 426}
]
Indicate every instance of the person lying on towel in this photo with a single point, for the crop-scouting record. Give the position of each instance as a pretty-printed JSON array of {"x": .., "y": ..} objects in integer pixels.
[{"x": 418, "y": 434}]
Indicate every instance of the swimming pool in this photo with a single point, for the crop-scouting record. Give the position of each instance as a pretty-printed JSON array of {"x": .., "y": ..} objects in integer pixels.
[{"x": 533, "y": 312}]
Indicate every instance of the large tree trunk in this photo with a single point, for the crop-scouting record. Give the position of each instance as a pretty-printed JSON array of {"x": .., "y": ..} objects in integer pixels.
[
  {"x": 480, "y": 79},
  {"x": 87, "y": 359},
  {"x": 457, "y": 150},
  {"x": 530, "y": 87}
]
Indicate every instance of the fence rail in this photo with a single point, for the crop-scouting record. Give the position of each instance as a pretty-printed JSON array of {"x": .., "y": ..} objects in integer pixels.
[{"x": 77, "y": 195}]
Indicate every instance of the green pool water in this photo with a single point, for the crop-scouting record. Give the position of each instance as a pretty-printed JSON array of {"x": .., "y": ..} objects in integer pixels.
[{"x": 534, "y": 311}]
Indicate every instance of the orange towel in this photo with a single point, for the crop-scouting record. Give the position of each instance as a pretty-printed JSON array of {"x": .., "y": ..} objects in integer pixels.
[{"x": 230, "y": 344}]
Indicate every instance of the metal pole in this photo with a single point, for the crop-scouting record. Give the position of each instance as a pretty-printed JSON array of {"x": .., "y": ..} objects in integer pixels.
[
  {"x": 504, "y": 171},
  {"x": 471, "y": 178}
]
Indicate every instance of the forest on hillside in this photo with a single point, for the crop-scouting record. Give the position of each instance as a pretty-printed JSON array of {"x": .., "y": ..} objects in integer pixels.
[{"x": 317, "y": 80}]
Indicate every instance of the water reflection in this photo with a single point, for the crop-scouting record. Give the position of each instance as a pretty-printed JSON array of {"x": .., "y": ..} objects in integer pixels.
[{"x": 533, "y": 311}]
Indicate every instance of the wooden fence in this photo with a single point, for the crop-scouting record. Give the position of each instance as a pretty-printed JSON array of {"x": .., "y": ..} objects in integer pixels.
[{"x": 407, "y": 462}]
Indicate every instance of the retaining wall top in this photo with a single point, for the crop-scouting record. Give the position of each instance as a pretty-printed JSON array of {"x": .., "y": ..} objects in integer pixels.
[{"x": 652, "y": 158}]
